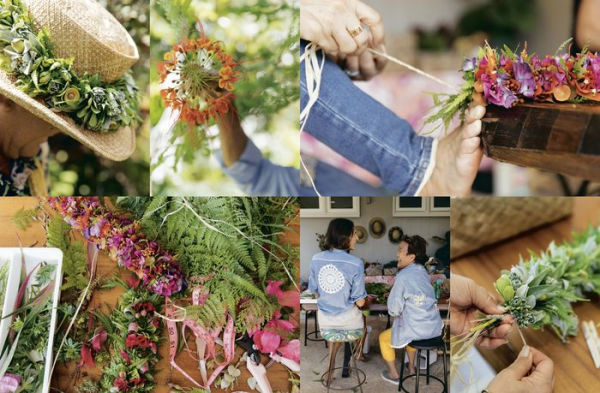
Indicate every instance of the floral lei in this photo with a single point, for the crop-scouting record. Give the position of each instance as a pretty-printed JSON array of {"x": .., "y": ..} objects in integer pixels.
[
  {"x": 91, "y": 103},
  {"x": 507, "y": 78},
  {"x": 136, "y": 334},
  {"x": 122, "y": 238},
  {"x": 197, "y": 79}
]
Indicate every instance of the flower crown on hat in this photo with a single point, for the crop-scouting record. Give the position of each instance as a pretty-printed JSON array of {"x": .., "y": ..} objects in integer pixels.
[{"x": 29, "y": 57}]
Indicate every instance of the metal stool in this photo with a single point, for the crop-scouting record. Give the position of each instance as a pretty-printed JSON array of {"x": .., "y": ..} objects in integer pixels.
[
  {"x": 424, "y": 345},
  {"x": 361, "y": 377},
  {"x": 316, "y": 333}
]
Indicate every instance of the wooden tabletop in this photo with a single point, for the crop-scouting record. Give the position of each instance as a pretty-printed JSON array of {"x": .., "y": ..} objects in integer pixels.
[
  {"x": 573, "y": 364},
  {"x": 64, "y": 378},
  {"x": 561, "y": 138}
]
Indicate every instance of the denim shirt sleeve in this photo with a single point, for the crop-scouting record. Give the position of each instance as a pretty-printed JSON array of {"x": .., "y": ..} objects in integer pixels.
[
  {"x": 256, "y": 175},
  {"x": 396, "y": 300},
  {"x": 358, "y": 290}
]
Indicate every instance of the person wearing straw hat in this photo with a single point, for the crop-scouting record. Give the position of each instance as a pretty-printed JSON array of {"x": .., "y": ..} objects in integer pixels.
[
  {"x": 340, "y": 115},
  {"x": 64, "y": 69}
]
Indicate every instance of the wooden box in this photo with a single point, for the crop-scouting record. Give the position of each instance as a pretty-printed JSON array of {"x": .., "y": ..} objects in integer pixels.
[{"x": 561, "y": 138}]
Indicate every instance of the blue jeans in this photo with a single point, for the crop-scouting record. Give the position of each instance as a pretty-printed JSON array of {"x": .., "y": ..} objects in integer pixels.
[{"x": 365, "y": 132}]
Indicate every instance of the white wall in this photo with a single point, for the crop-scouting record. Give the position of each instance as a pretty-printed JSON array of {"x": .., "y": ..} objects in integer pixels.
[{"x": 373, "y": 250}]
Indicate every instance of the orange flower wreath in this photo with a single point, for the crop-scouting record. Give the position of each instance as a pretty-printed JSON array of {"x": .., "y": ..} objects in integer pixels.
[{"x": 197, "y": 79}]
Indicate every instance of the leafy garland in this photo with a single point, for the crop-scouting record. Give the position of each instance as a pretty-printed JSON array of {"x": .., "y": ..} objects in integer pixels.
[
  {"x": 134, "y": 330},
  {"x": 540, "y": 292},
  {"x": 507, "y": 78},
  {"x": 91, "y": 103}
]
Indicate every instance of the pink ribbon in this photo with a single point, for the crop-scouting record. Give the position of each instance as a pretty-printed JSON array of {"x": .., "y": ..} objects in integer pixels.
[{"x": 202, "y": 335}]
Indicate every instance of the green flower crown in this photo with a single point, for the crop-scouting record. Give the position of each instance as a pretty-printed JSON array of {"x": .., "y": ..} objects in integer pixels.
[{"x": 91, "y": 103}]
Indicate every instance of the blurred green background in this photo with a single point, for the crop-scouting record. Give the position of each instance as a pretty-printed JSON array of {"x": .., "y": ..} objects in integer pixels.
[
  {"x": 75, "y": 169},
  {"x": 263, "y": 35}
]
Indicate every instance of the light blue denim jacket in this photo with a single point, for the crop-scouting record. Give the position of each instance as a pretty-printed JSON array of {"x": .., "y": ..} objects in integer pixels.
[
  {"x": 413, "y": 305},
  {"x": 338, "y": 278}
]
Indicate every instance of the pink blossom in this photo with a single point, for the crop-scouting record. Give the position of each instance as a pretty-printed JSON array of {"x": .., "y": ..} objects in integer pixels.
[
  {"x": 291, "y": 350},
  {"x": 87, "y": 359},
  {"x": 125, "y": 356},
  {"x": 9, "y": 383},
  {"x": 99, "y": 339},
  {"x": 285, "y": 298},
  {"x": 266, "y": 341}
]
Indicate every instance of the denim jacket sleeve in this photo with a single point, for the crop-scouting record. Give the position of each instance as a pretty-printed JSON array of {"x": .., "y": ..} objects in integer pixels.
[
  {"x": 256, "y": 175},
  {"x": 396, "y": 300},
  {"x": 358, "y": 290}
]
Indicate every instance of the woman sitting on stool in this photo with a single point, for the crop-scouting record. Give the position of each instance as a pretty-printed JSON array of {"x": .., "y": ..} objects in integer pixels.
[
  {"x": 413, "y": 305},
  {"x": 337, "y": 279}
]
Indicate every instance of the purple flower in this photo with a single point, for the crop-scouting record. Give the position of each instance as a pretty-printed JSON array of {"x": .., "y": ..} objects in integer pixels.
[
  {"x": 524, "y": 75},
  {"x": 469, "y": 64},
  {"x": 595, "y": 68},
  {"x": 496, "y": 93}
]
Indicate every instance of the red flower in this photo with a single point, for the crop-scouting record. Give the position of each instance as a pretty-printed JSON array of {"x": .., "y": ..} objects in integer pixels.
[
  {"x": 138, "y": 381},
  {"x": 125, "y": 356},
  {"x": 99, "y": 339},
  {"x": 87, "y": 360},
  {"x": 138, "y": 341},
  {"x": 133, "y": 282},
  {"x": 121, "y": 384}
]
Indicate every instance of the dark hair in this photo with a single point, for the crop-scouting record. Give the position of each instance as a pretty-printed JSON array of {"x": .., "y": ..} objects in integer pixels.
[
  {"x": 339, "y": 233},
  {"x": 417, "y": 246}
]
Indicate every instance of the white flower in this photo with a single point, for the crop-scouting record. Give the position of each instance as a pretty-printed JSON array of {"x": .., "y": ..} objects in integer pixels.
[{"x": 172, "y": 81}]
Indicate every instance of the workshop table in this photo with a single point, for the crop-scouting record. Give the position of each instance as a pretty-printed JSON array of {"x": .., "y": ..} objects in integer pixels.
[{"x": 573, "y": 365}]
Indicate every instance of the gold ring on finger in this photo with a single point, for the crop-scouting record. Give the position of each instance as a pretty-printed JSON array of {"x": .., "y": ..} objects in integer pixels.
[{"x": 355, "y": 32}]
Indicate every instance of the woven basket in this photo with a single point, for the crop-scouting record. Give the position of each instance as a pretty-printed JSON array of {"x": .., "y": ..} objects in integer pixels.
[{"x": 480, "y": 221}]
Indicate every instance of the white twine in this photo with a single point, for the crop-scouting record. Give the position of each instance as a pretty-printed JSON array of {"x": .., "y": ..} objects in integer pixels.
[{"x": 314, "y": 72}]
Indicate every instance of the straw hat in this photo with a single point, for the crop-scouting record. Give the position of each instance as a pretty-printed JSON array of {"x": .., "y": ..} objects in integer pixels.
[{"x": 99, "y": 44}]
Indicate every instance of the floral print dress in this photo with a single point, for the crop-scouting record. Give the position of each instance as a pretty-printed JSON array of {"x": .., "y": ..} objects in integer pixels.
[{"x": 14, "y": 175}]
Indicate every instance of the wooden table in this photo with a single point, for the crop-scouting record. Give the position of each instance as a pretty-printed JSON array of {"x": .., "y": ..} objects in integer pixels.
[
  {"x": 64, "y": 378},
  {"x": 574, "y": 367},
  {"x": 561, "y": 138}
]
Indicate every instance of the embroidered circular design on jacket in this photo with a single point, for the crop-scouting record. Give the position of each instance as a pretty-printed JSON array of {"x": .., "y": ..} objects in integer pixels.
[{"x": 331, "y": 280}]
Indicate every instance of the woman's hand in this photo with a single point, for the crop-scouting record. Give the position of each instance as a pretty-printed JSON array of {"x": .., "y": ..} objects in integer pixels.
[
  {"x": 364, "y": 66},
  {"x": 336, "y": 26},
  {"x": 531, "y": 372},
  {"x": 467, "y": 301}
]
